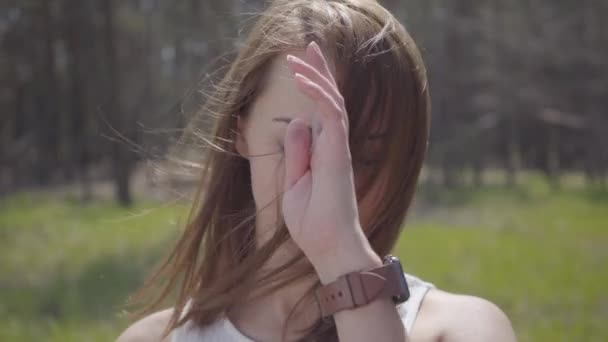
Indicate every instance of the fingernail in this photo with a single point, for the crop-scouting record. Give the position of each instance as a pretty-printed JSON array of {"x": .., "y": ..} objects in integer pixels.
[
  {"x": 302, "y": 78},
  {"x": 300, "y": 130}
]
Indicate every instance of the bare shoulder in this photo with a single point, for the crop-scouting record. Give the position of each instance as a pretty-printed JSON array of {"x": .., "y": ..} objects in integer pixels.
[
  {"x": 149, "y": 328},
  {"x": 464, "y": 318}
]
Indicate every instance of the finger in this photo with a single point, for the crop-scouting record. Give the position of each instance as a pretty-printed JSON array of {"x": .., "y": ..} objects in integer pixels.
[
  {"x": 317, "y": 59},
  {"x": 331, "y": 116},
  {"x": 327, "y": 105},
  {"x": 315, "y": 56},
  {"x": 316, "y": 128},
  {"x": 298, "y": 65},
  {"x": 297, "y": 155}
]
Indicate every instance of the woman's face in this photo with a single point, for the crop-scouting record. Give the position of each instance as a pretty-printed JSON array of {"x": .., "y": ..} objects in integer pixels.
[{"x": 262, "y": 133}]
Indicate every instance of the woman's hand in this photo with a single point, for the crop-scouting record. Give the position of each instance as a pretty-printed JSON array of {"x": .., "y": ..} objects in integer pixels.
[{"x": 319, "y": 202}]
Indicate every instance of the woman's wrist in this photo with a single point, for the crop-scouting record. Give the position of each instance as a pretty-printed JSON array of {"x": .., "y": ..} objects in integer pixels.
[{"x": 345, "y": 260}]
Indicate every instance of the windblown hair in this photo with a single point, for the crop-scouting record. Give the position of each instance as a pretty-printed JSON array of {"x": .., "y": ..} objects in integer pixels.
[{"x": 381, "y": 75}]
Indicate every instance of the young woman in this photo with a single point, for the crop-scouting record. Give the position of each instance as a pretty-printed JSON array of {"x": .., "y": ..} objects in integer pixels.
[{"x": 321, "y": 127}]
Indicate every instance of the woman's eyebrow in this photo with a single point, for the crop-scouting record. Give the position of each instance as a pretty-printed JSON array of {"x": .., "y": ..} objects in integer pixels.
[
  {"x": 282, "y": 119},
  {"x": 373, "y": 136},
  {"x": 286, "y": 120}
]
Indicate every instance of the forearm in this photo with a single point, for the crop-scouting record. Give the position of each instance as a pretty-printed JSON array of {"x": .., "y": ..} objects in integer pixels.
[{"x": 379, "y": 320}]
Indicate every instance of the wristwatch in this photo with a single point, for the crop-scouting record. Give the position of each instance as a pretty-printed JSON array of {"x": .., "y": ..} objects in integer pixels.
[{"x": 359, "y": 288}]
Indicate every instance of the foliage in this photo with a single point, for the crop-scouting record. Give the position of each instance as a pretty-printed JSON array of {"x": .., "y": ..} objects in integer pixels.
[{"x": 514, "y": 84}]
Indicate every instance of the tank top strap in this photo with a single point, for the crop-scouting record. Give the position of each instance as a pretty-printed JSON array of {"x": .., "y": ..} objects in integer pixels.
[
  {"x": 186, "y": 332},
  {"x": 409, "y": 309}
]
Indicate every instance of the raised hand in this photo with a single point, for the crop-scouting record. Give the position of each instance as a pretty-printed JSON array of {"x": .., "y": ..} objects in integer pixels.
[{"x": 319, "y": 202}]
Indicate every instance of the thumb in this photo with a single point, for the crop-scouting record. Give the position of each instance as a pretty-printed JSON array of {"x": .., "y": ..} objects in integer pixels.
[{"x": 297, "y": 152}]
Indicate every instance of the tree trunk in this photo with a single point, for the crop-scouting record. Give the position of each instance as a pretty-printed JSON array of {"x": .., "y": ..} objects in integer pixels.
[
  {"x": 78, "y": 114},
  {"x": 478, "y": 168},
  {"x": 121, "y": 163},
  {"x": 513, "y": 153},
  {"x": 553, "y": 156},
  {"x": 47, "y": 104}
]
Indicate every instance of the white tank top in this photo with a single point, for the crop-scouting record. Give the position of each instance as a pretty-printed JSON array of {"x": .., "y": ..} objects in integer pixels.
[{"x": 223, "y": 330}]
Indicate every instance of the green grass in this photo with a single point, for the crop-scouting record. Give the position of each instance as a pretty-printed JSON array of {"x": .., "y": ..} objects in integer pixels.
[
  {"x": 540, "y": 255},
  {"x": 66, "y": 269}
]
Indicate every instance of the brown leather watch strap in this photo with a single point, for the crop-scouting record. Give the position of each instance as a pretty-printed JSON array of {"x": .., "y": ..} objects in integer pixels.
[{"x": 359, "y": 288}]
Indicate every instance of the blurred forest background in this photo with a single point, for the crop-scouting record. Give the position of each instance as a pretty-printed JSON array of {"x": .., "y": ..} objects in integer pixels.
[{"x": 93, "y": 93}]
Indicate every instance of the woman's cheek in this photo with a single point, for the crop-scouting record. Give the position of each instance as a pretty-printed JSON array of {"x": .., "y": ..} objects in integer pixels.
[{"x": 267, "y": 174}]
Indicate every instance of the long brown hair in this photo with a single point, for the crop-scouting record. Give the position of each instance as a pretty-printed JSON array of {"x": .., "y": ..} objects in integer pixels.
[{"x": 381, "y": 75}]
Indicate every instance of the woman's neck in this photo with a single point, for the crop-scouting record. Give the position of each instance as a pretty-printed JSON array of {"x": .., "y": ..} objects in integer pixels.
[{"x": 262, "y": 317}]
